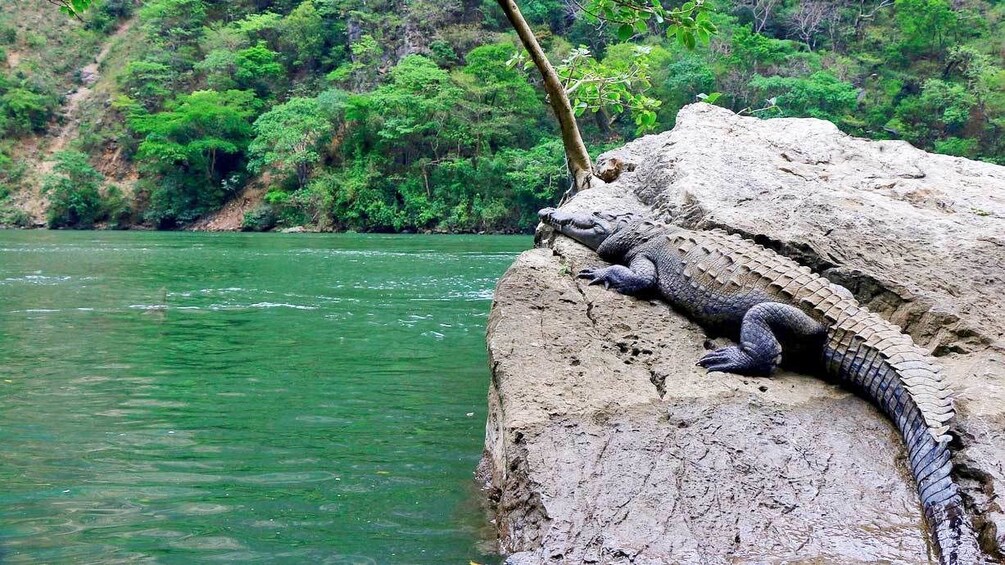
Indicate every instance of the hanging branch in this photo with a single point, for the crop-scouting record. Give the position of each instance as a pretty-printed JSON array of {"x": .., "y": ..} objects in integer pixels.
[{"x": 71, "y": 7}]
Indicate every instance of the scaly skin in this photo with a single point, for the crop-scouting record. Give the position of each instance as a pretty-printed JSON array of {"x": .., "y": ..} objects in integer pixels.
[{"x": 778, "y": 308}]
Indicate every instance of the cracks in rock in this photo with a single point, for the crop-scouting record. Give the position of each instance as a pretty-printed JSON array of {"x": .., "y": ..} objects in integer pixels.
[
  {"x": 659, "y": 380},
  {"x": 632, "y": 351},
  {"x": 579, "y": 288},
  {"x": 793, "y": 171},
  {"x": 977, "y": 488},
  {"x": 589, "y": 307},
  {"x": 520, "y": 513},
  {"x": 629, "y": 348},
  {"x": 975, "y": 481}
]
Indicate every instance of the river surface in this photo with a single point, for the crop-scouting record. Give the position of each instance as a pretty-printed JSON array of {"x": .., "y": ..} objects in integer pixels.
[{"x": 195, "y": 398}]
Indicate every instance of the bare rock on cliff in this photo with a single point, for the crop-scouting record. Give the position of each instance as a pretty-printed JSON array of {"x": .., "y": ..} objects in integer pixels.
[{"x": 605, "y": 444}]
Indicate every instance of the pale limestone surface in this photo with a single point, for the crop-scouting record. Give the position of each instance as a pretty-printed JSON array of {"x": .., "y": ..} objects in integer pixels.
[{"x": 605, "y": 444}]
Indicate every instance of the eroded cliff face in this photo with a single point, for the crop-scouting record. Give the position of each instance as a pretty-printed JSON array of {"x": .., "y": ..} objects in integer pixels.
[{"x": 605, "y": 444}]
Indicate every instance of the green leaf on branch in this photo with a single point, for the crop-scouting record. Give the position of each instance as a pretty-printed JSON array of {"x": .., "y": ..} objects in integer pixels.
[
  {"x": 709, "y": 98},
  {"x": 73, "y": 8},
  {"x": 689, "y": 40}
]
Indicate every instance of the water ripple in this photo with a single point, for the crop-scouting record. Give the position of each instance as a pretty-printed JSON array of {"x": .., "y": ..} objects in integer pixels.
[{"x": 191, "y": 398}]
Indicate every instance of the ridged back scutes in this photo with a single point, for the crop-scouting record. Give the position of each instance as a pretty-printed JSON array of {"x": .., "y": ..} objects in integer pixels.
[
  {"x": 906, "y": 384},
  {"x": 865, "y": 335},
  {"x": 737, "y": 264},
  {"x": 714, "y": 258}
]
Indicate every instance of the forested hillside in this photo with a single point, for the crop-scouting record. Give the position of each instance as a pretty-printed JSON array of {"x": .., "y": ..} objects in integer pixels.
[{"x": 395, "y": 115}]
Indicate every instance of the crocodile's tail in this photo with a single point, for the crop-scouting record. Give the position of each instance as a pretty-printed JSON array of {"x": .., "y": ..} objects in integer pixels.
[{"x": 884, "y": 364}]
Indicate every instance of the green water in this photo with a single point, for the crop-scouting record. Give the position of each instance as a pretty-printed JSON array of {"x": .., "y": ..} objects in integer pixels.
[{"x": 192, "y": 398}]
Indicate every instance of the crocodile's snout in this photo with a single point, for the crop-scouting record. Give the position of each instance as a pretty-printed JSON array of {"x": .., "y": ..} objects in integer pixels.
[{"x": 554, "y": 217}]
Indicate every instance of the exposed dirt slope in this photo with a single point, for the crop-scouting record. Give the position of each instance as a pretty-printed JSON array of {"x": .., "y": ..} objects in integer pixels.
[
  {"x": 62, "y": 132},
  {"x": 231, "y": 216}
]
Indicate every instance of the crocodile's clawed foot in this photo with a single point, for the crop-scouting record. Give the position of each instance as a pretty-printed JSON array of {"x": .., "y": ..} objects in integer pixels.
[
  {"x": 730, "y": 359},
  {"x": 596, "y": 275}
]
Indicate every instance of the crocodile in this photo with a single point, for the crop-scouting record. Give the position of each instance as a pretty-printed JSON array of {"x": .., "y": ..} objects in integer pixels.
[{"x": 735, "y": 287}]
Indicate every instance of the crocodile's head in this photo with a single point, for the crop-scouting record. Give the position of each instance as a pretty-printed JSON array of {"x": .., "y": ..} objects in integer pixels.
[{"x": 589, "y": 229}]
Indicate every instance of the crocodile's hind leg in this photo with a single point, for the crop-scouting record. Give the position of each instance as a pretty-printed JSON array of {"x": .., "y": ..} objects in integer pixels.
[{"x": 760, "y": 351}]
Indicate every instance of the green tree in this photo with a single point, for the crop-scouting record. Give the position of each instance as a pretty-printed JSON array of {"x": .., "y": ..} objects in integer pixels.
[
  {"x": 612, "y": 87},
  {"x": 984, "y": 79},
  {"x": 456, "y": 144},
  {"x": 72, "y": 7},
  {"x": 406, "y": 130},
  {"x": 534, "y": 178},
  {"x": 288, "y": 138},
  {"x": 303, "y": 34},
  {"x": 191, "y": 147},
  {"x": 366, "y": 54},
  {"x": 267, "y": 26},
  {"x": 498, "y": 97},
  {"x": 926, "y": 24},
  {"x": 957, "y": 147},
  {"x": 756, "y": 52},
  {"x": 173, "y": 20},
  {"x": 431, "y": 149},
  {"x": 257, "y": 68},
  {"x": 821, "y": 95},
  {"x": 219, "y": 67},
  {"x": 174, "y": 27},
  {"x": 415, "y": 111},
  {"x": 943, "y": 109},
  {"x": 74, "y": 192},
  {"x": 147, "y": 82},
  {"x": 679, "y": 82},
  {"x": 25, "y": 110}
]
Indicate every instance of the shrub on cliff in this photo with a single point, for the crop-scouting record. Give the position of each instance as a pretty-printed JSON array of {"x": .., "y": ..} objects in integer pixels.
[{"x": 74, "y": 192}]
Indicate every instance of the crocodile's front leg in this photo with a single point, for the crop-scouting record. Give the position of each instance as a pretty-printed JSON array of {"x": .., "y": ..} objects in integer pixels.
[
  {"x": 760, "y": 352},
  {"x": 638, "y": 277}
]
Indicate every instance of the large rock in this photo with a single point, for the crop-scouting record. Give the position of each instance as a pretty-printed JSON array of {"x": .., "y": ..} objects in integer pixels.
[{"x": 605, "y": 444}]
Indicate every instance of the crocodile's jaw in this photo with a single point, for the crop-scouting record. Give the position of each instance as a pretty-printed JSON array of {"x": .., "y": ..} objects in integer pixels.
[{"x": 590, "y": 230}]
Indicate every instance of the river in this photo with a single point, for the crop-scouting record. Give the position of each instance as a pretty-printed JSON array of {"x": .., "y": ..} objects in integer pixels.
[{"x": 194, "y": 398}]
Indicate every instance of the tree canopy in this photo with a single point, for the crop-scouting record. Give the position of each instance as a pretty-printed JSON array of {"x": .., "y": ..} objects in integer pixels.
[{"x": 392, "y": 115}]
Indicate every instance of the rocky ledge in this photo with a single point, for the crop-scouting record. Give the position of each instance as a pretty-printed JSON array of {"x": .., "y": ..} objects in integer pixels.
[{"x": 605, "y": 444}]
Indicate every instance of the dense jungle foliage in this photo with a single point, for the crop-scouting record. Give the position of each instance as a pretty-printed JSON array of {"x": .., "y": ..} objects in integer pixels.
[{"x": 399, "y": 115}]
